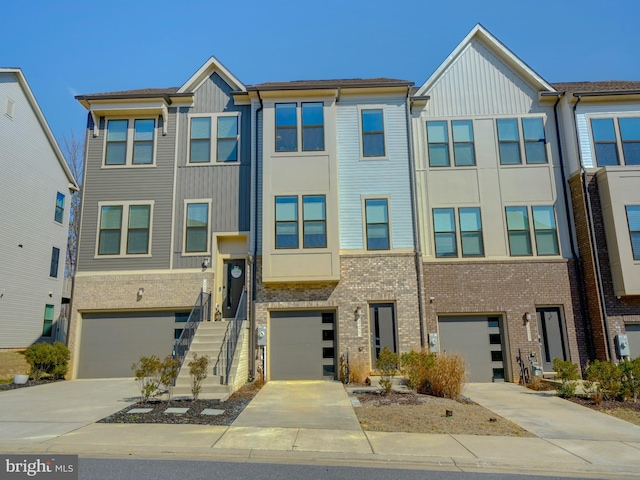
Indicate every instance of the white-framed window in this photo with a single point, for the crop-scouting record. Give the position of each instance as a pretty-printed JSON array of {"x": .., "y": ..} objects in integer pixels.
[
  {"x": 522, "y": 138},
  {"x": 441, "y": 149},
  {"x": 58, "y": 216},
  {"x": 124, "y": 229},
  {"x": 130, "y": 142},
  {"x": 197, "y": 227},
  {"x": 214, "y": 138},
  {"x": 616, "y": 140},
  {"x": 373, "y": 144},
  {"x": 377, "y": 223},
  {"x": 519, "y": 228},
  {"x": 446, "y": 228}
]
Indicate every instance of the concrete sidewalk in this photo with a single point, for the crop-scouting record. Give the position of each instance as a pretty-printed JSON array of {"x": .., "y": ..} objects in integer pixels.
[{"x": 300, "y": 428}]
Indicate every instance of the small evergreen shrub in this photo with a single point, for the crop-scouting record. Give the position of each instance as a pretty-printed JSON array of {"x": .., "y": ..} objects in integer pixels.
[
  {"x": 169, "y": 369},
  {"x": 417, "y": 368},
  {"x": 568, "y": 373},
  {"x": 605, "y": 380},
  {"x": 386, "y": 364},
  {"x": 147, "y": 374},
  {"x": 630, "y": 377},
  {"x": 46, "y": 359},
  {"x": 198, "y": 369}
]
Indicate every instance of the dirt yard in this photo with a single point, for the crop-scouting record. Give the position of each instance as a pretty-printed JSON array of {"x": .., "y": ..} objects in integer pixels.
[
  {"x": 413, "y": 413},
  {"x": 11, "y": 363}
]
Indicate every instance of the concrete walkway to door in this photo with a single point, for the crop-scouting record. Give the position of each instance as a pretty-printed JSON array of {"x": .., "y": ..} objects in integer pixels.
[
  {"x": 547, "y": 416},
  {"x": 300, "y": 404}
]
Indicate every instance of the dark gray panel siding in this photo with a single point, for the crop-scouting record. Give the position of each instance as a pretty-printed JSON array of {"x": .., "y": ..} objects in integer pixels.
[{"x": 126, "y": 184}]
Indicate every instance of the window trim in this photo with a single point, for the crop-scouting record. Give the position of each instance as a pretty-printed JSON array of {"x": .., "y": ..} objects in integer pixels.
[
  {"x": 449, "y": 232},
  {"x": 450, "y": 143},
  {"x": 631, "y": 232},
  {"x": 479, "y": 232},
  {"x": 48, "y": 322},
  {"x": 536, "y": 230},
  {"x": 324, "y": 221},
  {"x": 311, "y": 126},
  {"x": 522, "y": 141},
  {"x": 55, "y": 260},
  {"x": 528, "y": 230},
  {"x": 365, "y": 224},
  {"x": 533, "y": 242},
  {"x": 59, "y": 209},
  {"x": 447, "y": 143},
  {"x": 276, "y": 222},
  {"x": 458, "y": 232},
  {"x": 213, "y": 139},
  {"x": 187, "y": 202},
  {"x": 288, "y": 127},
  {"x": 124, "y": 229},
  {"x": 130, "y": 140},
  {"x": 364, "y": 157},
  {"x": 619, "y": 143}
]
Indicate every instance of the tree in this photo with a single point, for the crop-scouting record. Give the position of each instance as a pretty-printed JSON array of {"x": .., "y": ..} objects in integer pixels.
[{"x": 73, "y": 150}]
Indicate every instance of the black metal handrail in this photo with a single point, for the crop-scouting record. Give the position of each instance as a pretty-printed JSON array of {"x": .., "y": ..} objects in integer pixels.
[
  {"x": 233, "y": 332},
  {"x": 201, "y": 312}
]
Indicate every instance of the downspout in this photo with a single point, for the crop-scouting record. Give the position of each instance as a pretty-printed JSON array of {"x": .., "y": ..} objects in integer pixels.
[
  {"x": 416, "y": 223},
  {"x": 254, "y": 274},
  {"x": 592, "y": 238},
  {"x": 578, "y": 262}
]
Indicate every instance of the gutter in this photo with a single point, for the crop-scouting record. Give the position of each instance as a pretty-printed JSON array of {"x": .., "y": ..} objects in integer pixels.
[
  {"x": 592, "y": 236},
  {"x": 254, "y": 275}
]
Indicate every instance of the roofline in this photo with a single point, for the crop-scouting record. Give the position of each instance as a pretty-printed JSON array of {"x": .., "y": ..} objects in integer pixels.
[
  {"x": 198, "y": 77},
  {"x": 607, "y": 93},
  {"x": 120, "y": 96},
  {"x": 73, "y": 184},
  {"x": 327, "y": 86}
]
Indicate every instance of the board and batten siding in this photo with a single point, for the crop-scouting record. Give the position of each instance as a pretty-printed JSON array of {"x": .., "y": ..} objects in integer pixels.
[
  {"x": 583, "y": 112},
  {"x": 31, "y": 178},
  {"x": 480, "y": 83},
  {"x": 226, "y": 185},
  {"x": 128, "y": 184},
  {"x": 386, "y": 177},
  {"x": 258, "y": 188}
]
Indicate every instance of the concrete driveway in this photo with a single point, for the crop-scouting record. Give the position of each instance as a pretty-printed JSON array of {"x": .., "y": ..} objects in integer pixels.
[
  {"x": 40, "y": 413},
  {"x": 548, "y": 416}
]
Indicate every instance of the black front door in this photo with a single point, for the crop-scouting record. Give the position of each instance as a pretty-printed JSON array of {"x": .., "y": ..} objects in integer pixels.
[
  {"x": 552, "y": 342},
  {"x": 233, "y": 271},
  {"x": 383, "y": 329}
]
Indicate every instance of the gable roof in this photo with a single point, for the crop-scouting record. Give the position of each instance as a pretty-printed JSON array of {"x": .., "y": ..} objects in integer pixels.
[
  {"x": 142, "y": 92},
  {"x": 608, "y": 87},
  {"x": 498, "y": 48},
  {"x": 315, "y": 84},
  {"x": 22, "y": 80},
  {"x": 205, "y": 71}
]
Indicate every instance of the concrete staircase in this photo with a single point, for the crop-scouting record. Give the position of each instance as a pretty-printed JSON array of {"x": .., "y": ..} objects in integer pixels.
[{"x": 209, "y": 340}]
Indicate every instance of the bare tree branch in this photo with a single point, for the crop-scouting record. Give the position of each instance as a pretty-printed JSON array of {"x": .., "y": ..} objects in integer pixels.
[{"x": 73, "y": 150}]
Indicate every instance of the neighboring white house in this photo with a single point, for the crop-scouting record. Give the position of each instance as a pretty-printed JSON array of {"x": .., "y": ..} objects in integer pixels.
[{"x": 35, "y": 188}]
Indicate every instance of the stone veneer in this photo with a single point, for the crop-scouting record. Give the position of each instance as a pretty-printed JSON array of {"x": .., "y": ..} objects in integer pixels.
[
  {"x": 364, "y": 279},
  {"x": 509, "y": 288},
  {"x": 118, "y": 293}
]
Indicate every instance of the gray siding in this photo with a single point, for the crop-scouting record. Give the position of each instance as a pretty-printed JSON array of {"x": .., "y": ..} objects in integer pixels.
[
  {"x": 128, "y": 184},
  {"x": 227, "y": 185}
]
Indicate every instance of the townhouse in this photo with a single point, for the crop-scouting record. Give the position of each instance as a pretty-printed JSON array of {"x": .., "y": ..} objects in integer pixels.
[{"x": 36, "y": 187}]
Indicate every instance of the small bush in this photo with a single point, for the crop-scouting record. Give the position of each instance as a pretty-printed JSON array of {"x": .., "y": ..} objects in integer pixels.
[
  {"x": 448, "y": 376},
  {"x": 567, "y": 389},
  {"x": 606, "y": 378},
  {"x": 358, "y": 370},
  {"x": 417, "y": 367},
  {"x": 630, "y": 373},
  {"x": 147, "y": 374},
  {"x": 387, "y": 364},
  {"x": 169, "y": 369},
  {"x": 48, "y": 360},
  {"x": 198, "y": 369},
  {"x": 568, "y": 374}
]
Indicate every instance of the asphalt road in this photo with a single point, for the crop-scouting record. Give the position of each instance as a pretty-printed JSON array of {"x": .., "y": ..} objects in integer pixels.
[{"x": 143, "y": 469}]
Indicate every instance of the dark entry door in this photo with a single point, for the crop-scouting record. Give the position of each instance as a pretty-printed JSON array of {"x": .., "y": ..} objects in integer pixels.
[
  {"x": 233, "y": 271},
  {"x": 551, "y": 337},
  {"x": 383, "y": 328}
]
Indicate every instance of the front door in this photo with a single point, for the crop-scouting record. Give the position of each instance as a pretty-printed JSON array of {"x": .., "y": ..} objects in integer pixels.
[
  {"x": 383, "y": 329},
  {"x": 551, "y": 337},
  {"x": 233, "y": 278}
]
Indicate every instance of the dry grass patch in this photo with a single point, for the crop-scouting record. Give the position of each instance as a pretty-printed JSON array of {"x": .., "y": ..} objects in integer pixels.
[
  {"x": 413, "y": 413},
  {"x": 12, "y": 362}
]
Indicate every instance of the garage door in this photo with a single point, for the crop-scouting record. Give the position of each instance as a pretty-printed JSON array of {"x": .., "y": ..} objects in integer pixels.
[
  {"x": 302, "y": 346},
  {"x": 633, "y": 335},
  {"x": 110, "y": 343},
  {"x": 480, "y": 340}
]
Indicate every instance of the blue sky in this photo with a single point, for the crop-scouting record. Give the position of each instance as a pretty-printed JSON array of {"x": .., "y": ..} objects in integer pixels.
[{"x": 68, "y": 47}]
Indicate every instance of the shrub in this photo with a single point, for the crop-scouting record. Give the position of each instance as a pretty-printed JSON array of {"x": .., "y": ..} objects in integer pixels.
[
  {"x": 448, "y": 376},
  {"x": 417, "y": 367},
  {"x": 147, "y": 374},
  {"x": 567, "y": 389},
  {"x": 568, "y": 373},
  {"x": 47, "y": 359},
  {"x": 386, "y": 364},
  {"x": 169, "y": 369},
  {"x": 630, "y": 373},
  {"x": 358, "y": 370},
  {"x": 198, "y": 370},
  {"x": 606, "y": 380}
]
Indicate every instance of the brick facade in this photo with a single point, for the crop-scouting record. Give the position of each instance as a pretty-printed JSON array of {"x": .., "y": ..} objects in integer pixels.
[
  {"x": 618, "y": 310},
  {"x": 510, "y": 289},
  {"x": 364, "y": 279}
]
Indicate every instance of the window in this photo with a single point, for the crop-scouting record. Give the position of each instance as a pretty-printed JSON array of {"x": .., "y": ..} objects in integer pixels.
[
  {"x": 509, "y": 141},
  {"x": 286, "y": 222},
  {"x": 314, "y": 221},
  {"x": 377, "y": 220},
  {"x": 633, "y": 219},
  {"x": 130, "y": 141},
  {"x": 59, "y": 215},
  {"x": 444, "y": 227},
  {"x": 225, "y": 128},
  {"x": 286, "y": 127},
  {"x": 604, "y": 139},
  {"x": 518, "y": 229},
  {"x": 136, "y": 218},
  {"x": 471, "y": 232},
  {"x": 200, "y": 140},
  {"x": 438, "y": 140},
  {"x": 463, "y": 151},
  {"x": 535, "y": 150},
  {"x": 372, "y": 133},
  {"x": 47, "y": 325},
  {"x": 197, "y": 228},
  {"x": 312, "y": 126},
  {"x": 630, "y": 135},
  {"x": 55, "y": 260},
  {"x": 544, "y": 226},
  {"x": 227, "y": 148}
]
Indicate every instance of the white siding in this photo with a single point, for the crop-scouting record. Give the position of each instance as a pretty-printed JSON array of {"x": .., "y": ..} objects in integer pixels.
[
  {"x": 358, "y": 177},
  {"x": 479, "y": 83},
  {"x": 31, "y": 177}
]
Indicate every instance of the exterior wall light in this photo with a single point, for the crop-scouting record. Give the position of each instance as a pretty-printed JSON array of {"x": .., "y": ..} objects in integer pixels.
[
  {"x": 205, "y": 263},
  {"x": 527, "y": 317},
  {"x": 140, "y": 292}
]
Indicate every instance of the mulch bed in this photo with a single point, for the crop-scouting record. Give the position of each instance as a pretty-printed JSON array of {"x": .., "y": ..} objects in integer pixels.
[
  {"x": 606, "y": 404},
  {"x": 232, "y": 407},
  {"x": 30, "y": 383}
]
